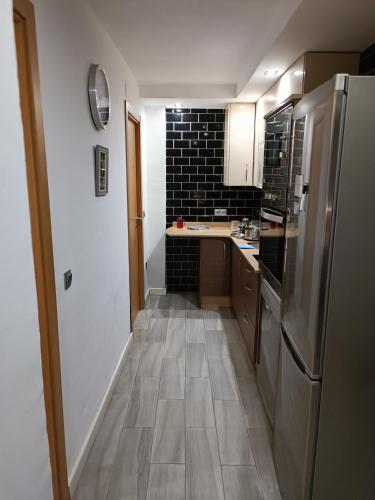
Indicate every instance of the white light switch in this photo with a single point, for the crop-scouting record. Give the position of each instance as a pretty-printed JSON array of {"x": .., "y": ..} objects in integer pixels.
[{"x": 220, "y": 211}]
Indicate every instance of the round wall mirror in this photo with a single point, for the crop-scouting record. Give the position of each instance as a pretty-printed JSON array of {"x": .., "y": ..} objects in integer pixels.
[{"x": 99, "y": 98}]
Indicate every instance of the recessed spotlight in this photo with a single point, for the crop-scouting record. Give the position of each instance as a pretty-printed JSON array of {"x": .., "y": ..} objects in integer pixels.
[
  {"x": 271, "y": 72},
  {"x": 298, "y": 72},
  {"x": 271, "y": 98},
  {"x": 177, "y": 108}
]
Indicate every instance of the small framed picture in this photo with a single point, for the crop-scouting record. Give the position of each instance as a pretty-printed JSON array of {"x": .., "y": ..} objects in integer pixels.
[{"x": 101, "y": 170}]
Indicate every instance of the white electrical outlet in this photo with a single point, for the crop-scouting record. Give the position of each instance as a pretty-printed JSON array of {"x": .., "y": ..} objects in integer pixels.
[{"x": 220, "y": 211}]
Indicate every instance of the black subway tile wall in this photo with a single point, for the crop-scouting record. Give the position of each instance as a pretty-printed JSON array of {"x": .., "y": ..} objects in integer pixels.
[
  {"x": 182, "y": 258},
  {"x": 367, "y": 61},
  {"x": 194, "y": 168}
]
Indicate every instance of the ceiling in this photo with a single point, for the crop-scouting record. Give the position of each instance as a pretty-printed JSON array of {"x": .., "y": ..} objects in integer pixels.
[
  {"x": 184, "y": 42},
  {"x": 219, "y": 50},
  {"x": 317, "y": 25}
]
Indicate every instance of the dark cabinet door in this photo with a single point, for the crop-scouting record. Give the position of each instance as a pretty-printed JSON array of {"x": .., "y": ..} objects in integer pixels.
[
  {"x": 245, "y": 299},
  {"x": 235, "y": 292},
  {"x": 250, "y": 287},
  {"x": 214, "y": 266}
]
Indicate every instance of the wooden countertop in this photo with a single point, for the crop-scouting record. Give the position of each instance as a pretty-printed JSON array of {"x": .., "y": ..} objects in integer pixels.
[{"x": 217, "y": 231}]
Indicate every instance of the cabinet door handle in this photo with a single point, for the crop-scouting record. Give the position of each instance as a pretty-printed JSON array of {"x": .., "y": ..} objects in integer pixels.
[
  {"x": 248, "y": 288},
  {"x": 248, "y": 269},
  {"x": 246, "y": 171},
  {"x": 245, "y": 318}
]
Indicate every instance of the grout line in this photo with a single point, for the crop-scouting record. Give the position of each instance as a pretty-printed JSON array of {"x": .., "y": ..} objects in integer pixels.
[
  {"x": 157, "y": 405},
  {"x": 245, "y": 421},
  {"x": 126, "y": 413},
  {"x": 243, "y": 414},
  {"x": 153, "y": 428},
  {"x": 213, "y": 409},
  {"x": 171, "y": 463}
]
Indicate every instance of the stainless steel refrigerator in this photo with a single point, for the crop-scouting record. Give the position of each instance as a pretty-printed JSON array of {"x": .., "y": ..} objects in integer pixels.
[{"x": 324, "y": 433}]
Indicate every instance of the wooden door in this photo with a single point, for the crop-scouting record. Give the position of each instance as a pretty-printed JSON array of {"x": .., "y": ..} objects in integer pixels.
[
  {"x": 37, "y": 181},
  {"x": 135, "y": 214}
]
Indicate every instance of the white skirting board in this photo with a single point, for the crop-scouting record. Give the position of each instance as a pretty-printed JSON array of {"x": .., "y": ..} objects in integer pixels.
[
  {"x": 158, "y": 291},
  {"x": 91, "y": 435}
]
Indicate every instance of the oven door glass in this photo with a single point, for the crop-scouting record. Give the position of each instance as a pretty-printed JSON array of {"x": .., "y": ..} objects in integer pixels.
[
  {"x": 274, "y": 195},
  {"x": 271, "y": 245}
]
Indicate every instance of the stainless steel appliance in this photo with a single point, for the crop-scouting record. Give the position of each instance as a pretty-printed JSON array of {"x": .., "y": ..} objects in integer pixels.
[
  {"x": 269, "y": 347},
  {"x": 324, "y": 433},
  {"x": 271, "y": 247},
  {"x": 273, "y": 205}
]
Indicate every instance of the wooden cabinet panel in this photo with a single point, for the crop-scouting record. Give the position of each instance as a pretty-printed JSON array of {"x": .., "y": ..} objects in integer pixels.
[
  {"x": 214, "y": 266},
  {"x": 321, "y": 66},
  {"x": 236, "y": 281},
  {"x": 245, "y": 298},
  {"x": 250, "y": 304},
  {"x": 249, "y": 334},
  {"x": 250, "y": 285}
]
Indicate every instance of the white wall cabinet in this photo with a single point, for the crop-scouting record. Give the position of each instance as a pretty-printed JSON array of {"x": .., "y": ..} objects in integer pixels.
[{"x": 239, "y": 145}]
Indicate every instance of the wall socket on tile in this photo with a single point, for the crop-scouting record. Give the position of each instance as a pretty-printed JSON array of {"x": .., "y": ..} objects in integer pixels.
[{"x": 220, "y": 211}]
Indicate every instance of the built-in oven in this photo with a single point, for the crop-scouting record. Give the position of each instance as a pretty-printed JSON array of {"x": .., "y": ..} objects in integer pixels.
[
  {"x": 271, "y": 246},
  {"x": 277, "y": 145}
]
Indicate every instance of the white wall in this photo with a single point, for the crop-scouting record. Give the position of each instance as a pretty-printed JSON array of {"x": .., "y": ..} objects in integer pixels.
[
  {"x": 154, "y": 151},
  {"x": 89, "y": 233},
  {"x": 24, "y": 457}
]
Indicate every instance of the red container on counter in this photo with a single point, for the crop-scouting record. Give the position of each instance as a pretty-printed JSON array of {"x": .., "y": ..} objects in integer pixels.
[{"x": 180, "y": 223}]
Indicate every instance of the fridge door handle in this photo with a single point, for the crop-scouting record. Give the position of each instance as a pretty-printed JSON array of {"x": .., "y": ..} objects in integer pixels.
[
  {"x": 302, "y": 203},
  {"x": 271, "y": 217},
  {"x": 291, "y": 350}
]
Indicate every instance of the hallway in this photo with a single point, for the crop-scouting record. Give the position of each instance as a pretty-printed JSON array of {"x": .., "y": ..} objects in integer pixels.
[{"x": 186, "y": 419}]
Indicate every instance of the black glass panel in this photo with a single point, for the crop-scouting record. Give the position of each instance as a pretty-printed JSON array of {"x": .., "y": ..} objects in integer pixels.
[
  {"x": 274, "y": 193},
  {"x": 276, "y": 159}
]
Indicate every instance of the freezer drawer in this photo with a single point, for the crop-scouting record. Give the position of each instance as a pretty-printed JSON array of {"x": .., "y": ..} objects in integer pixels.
[
  {"x": 295, "y": 429},
  {"x": 270, "y": 334}
]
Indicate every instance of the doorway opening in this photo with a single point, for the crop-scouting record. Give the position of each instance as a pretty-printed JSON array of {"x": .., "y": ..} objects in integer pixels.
[{"x": 135, "y": 212}]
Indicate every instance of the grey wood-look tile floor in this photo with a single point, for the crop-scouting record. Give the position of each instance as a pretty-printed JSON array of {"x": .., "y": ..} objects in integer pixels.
[{"x": 186, "y": 420}]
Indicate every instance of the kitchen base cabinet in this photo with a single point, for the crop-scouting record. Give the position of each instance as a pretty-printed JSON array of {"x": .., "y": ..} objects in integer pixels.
[
  {"x": 235, "y": 282},
  {"x": 215, "y": 255},
  {"x": 245, "y": 283},
  {"x": 249, "y": 333}
]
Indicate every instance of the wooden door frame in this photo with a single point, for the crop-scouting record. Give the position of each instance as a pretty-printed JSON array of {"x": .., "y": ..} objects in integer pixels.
[
  {"x": 37, "y": 183},
  {"x": 136, "y": 119}
]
